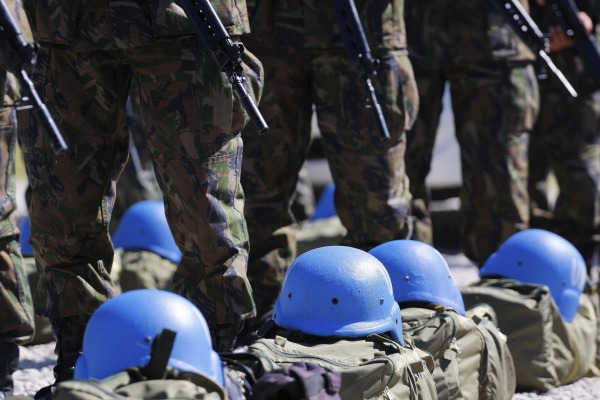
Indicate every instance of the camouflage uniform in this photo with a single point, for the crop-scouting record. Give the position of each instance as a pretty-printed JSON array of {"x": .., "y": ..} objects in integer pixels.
[
  {"x": 566, "y": 139},
  {"x": 16, "y": 308},
  {"x": 137, "y": 181},
  {"x": 306, "y": 63},
  {"x": 469, "y": 46},
  {"x": 91, "y": 50}
]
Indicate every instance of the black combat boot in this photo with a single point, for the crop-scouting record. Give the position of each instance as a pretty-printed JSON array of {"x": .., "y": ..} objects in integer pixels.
[
  {"x": 224, "y": 337},
  {"x": 264, "y": 299},
  {"x": 9, "y": 362},
  {"x": 68, "y": 332}
]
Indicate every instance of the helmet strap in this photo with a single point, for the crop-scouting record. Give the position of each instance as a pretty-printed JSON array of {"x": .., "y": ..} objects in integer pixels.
[{"x": 162, "y": 345}]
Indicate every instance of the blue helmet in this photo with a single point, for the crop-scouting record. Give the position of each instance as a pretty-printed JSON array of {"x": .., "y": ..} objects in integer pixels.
[
  {"x": 541, "y": 257},
  {"x": 121, "y": 331},
  {"x": 338, "y": 291},
  {"x": 25, "y": 229},
  {"x": 325, "y": 207},
  {"x": 144, "y": 227},
  {"x": 419, "y": 273}
]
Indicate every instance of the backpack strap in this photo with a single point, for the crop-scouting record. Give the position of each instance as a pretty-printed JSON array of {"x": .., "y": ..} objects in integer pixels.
[
  {"x": 162, "y": 345},
  {"x": 248, "y": 367},
  {"x": 481, "y": 312}
]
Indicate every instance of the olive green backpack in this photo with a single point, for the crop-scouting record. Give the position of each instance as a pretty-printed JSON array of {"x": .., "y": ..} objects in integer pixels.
[
  {"x": 472, "y": 360},
  {"x": 132, "y": 384},
  {"x": 374, "y": 367},
  {"x": 547, "y": 351}
]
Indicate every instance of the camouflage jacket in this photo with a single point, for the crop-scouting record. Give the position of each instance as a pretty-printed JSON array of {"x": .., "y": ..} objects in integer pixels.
[
  {"x": 291, "y": 25},
  {"x": 106, "y": 24},
  {"x": 446, "y": 34}
]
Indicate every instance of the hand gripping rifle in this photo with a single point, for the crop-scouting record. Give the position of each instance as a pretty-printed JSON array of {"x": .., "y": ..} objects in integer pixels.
[
  {"x": 566, "y": 13},
  {"x": 360, "y": 53},
  {"x": 17, "y": 55},
  {"x": 533, "y": 37},
  {"x": 226, "y": 53}
]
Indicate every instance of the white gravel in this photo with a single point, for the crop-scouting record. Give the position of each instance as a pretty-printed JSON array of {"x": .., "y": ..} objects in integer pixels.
[{"x": 35, "y": 369}]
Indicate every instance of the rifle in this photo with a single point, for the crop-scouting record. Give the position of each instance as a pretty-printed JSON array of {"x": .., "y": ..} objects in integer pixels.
[
  {"x": 226, "y": 53},
  {"x": 565, "y": 12},
  {"x": 532, "y": 36},
  {"x": 360, "y": 53},
  {"x": 17, "y": 55}
]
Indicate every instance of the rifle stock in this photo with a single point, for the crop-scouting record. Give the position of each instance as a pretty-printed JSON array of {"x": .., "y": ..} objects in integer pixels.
[
  {"x": 360, "y": 53},
  {"x": 226, "y": 53},
  {"x": 17, "y": 55},
  {"x": 532, "y": 36}
]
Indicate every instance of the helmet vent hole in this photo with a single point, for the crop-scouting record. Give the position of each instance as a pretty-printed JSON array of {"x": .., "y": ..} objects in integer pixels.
[
  {"x": 520, "y": 263},
  {"x": 381, "y": 300},
  {"x": 289, "y": 295},
  {"x": 148, "y": 339},
  {"x": 335, "y": 300}
]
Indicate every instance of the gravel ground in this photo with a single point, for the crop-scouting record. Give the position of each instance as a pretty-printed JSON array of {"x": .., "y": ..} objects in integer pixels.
[{"x": 37, "y": 361}]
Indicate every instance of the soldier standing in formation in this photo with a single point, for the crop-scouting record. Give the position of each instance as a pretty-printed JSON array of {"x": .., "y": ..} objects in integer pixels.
[
  {"x": 306, "y": 63},
  {"x": 16, "y": 307},
  {"x": 90, "y": 53},
  {"x": 566, "y": 140},
  {"x": 469, "y": 46}
]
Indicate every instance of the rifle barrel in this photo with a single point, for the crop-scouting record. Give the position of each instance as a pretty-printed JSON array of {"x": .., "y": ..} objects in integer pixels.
[
  {"x": 18, "y": 55},
  {"x": 226, "y": 53}
]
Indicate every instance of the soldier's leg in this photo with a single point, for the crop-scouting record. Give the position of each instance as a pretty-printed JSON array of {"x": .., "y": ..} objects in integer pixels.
[
  {"x": 16, "y": 307},
  {"x": 573, "y": 147},
  {"x": 194, "y": 140},
  {"x": 137, "y": 181},
  {"x": 420, "y": 141},
  {"x": 537, "y": 182},
  {"x": 73, "y": 194},
  {"x": 494, "y": 109},
  {"x": 270, "y": 172},
  {"x": 372, "y": 196}
]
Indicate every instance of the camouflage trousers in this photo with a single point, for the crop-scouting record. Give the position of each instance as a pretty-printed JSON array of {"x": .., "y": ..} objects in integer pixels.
[
  {"x": 372, "y": 197},
  {"x": 16, "y": 307},
  {"x": 566, "y": 141},
  {"x": 192, "y": 123},
  {"x": 137, "y": 181},
  {"x": 494, "y": 108}
]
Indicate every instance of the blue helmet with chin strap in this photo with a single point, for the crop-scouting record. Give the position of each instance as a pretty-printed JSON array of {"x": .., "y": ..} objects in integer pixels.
[
  {"x": 144, "y": 226},
  {"x": 338, "y": 291},
  {"x": 541, "y": 257},
  {"x": 122, "y": 333},
  {"x": 419, "y": 273}
]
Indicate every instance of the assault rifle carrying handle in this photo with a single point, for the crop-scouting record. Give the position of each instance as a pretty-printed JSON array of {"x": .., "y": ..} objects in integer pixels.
[
  {"x": 17, "y": 55},
  {"x": 360, "y": 53},
  {"x": 226, "y": 53}
]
